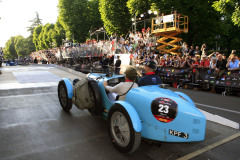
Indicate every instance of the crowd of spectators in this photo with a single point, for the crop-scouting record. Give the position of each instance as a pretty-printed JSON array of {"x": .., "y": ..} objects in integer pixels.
[{"x": 142, "y": 48}]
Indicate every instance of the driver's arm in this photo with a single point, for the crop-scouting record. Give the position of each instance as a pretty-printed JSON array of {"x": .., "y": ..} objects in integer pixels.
[{"x": 114, "y": 89}]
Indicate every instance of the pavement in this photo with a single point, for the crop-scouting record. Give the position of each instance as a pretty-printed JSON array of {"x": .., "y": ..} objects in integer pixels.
[{"x": 34, "y": 127}]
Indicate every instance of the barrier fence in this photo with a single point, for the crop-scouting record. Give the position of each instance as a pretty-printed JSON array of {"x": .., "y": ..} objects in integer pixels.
[{"x": 206, "y": 76}]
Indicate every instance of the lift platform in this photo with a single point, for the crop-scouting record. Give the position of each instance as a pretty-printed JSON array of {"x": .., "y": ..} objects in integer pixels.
[{"x": 167, "y": 28}]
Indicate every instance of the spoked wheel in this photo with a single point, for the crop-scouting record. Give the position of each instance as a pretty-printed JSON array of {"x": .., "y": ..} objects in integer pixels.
[
  {"x": 65, "y": 102},
  {"x": 123, "y": 136}
]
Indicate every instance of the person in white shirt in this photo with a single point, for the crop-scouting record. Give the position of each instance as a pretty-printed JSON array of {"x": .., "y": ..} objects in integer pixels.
[{"x": 122, "y": 88}]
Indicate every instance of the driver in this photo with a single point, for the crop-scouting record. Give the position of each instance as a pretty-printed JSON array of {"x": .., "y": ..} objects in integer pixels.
[{"x": 122, "y": 88}]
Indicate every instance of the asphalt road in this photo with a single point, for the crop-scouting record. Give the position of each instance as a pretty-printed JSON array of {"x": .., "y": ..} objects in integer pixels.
[{"x": 34, "y": 127}]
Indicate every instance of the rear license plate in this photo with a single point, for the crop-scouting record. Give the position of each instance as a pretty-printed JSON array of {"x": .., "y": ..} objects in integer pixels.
[{"x": 178, "y": 134}]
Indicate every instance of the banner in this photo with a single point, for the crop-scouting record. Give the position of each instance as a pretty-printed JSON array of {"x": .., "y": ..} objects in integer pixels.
[
  {"x": 168, "y": 18},
  {"x": 206, "y": 76}
]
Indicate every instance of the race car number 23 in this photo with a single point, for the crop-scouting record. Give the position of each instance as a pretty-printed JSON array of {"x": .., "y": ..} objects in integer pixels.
[
  {"x": 163, "y": 108},
  {"x": 178, "y": 134}
]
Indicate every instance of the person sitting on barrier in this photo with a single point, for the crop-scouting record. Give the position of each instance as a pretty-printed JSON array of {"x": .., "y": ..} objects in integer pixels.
[
  {"x": 220, "y": 66},
  {"x": 150, "y": 77},
  {"x": 123, "y": 88},
  {"x": 233, "y": 63},
  {"x": 205, "y": 62}
]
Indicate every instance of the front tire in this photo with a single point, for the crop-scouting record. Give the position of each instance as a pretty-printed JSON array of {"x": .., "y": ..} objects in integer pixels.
[
  {"x": 65, "y": 102},
  {"x": 121, "y": 130}
]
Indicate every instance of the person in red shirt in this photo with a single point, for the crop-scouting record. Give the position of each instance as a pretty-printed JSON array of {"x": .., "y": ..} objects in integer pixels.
[
  {"x": 195, "y": 65},
  {"x": 162, "y": 62},
  {"x": 204, "y": 63}
]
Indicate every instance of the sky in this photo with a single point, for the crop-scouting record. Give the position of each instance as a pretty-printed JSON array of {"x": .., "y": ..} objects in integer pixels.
[{"x": 15, "y": 16}]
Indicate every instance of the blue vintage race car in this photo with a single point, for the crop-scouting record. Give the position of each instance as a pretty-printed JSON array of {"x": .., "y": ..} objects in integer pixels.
[{"x": 149, "y": 112}]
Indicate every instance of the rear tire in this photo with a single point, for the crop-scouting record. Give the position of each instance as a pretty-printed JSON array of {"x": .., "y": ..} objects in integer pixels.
[
  {"x": 65, "y": 102},
  {"x": 121, "y": 130},
  {"x": 97, "y": 109}
]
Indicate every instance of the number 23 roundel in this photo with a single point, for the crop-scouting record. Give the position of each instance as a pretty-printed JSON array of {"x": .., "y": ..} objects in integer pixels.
[{"x": 164, "y": 109}]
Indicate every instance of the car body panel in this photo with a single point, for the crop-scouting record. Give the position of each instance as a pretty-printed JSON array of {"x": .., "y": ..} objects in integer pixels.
[
  {"x": 69, "y": 86},
  {"x": 137, "y": 125},
  {"x": 189, "y": 124}
]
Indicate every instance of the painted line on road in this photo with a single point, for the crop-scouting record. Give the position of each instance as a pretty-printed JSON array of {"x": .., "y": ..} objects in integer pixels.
[
  {"x": 29, "y": 95},
  {"x": 8, "y": 86},
  {"x": 209, "y": 147},
  {"x": 223, "y": 109}
]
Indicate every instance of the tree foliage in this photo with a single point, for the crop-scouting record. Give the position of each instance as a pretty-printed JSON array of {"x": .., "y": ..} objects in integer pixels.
[
  {"x": 9, "y": 50},
  {"x": 35, "y": 22},
  {"x": 18, "y": 46},
  {"x": 72, "y": 16},
  {"x": 231, "y": 7},
  {"x": 36, "y": 34},
  {"x": 115, "y": 16}
]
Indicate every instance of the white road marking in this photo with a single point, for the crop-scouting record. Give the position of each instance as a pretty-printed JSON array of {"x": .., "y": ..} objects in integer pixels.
[
  {"x": 223, "y": 109},
  {"x": 29, "y": 95},
  {"x": 25, "y": 68},
  {"x": 220, "y": 120},
  {"x": 209, "y": 147},
  {"x": 7, "y": 86}
]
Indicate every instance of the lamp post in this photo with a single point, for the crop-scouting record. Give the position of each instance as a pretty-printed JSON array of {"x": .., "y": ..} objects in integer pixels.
[
  {"x": 217, "y": 37},
  {"x": 143, "y": 15},
  {"x": 135, "y": 23},
  {"x": 90, "y": 34}
]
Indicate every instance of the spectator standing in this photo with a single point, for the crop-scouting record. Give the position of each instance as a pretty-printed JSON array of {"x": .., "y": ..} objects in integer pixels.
[
  {"x": 195, "y": 65},
  {"x": 105, "y": 64},
  {"x": 168, "y": 62},
  {"x": 197, "y": 51},
  {"x": 186, "y": 50},
  {"x": 213, "y": 63},
  {"x": 117, "y": 65},
  {"x": 183, "y": 47},
  {"x": 192, "y": 51},
  {"x": 162, "y": 62},
  {"x": 233, "y": 63},
  {"x": 204, "y": 49},
  {"x": 205, "y": 62},
  {"x": 35, "y": 60}
]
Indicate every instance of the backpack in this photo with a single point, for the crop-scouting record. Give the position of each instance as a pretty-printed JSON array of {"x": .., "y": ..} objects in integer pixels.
[{"x": 82, "y": 96}]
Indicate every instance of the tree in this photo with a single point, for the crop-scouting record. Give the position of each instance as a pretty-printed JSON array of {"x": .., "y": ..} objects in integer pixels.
[
  {"x": 115, "y": 16},
  {"x": 20, "y": 46},
  {"x": 46, "y": 38},
  {"x": 231, "y": 7},
  {"x": 9, "y": 50},
  {"x": 204, "y": 21},
  {"x": 36, "y": 34},
  {"x": 35, "y": 22},
  {"x": 138, "y": 6},
  {"x": 94, "y": 16},
  {"x": 72, "y": 16},
  {"x": 61, "y": 34}
]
